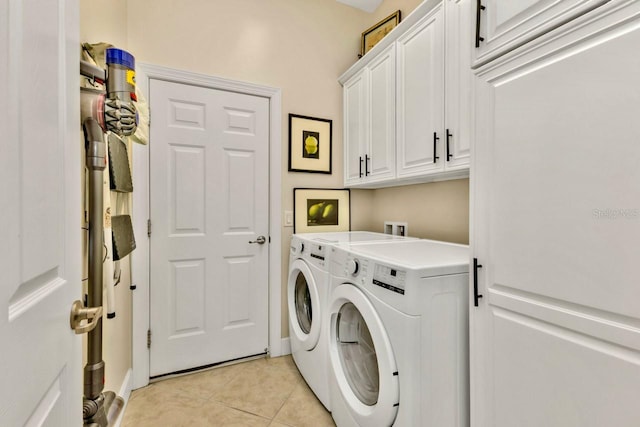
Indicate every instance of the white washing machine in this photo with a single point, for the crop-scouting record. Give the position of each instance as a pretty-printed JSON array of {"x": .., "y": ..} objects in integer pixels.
[
  {"x": 307, "y": 297},
  {"x": 398, "y": 334}
]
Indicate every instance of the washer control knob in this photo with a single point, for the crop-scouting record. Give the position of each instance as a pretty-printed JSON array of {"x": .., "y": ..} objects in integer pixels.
[
  {"x": 297, "y": 247},
  {"x": 353, "y": 266}
]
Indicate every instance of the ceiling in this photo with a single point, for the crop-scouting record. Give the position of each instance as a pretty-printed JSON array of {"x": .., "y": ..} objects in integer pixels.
[{"x": 366, "y": 5}]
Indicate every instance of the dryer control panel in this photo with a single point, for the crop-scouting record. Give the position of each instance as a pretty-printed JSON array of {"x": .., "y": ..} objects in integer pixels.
[{"x": 389, "y": 278}]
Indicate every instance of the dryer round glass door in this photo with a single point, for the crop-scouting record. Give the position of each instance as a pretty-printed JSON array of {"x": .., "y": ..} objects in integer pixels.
[
  {"x": 361, "y": 358},
  {"x": 357, "y": 354},
  {"x": 303, "y": 302}
]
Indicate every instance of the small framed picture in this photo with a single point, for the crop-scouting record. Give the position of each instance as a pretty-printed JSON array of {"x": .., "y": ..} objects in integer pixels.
[
  {"x": 318, "y": 210},
  {"x": 309, "y": 144},
  {"x": 376, "y": 33}
]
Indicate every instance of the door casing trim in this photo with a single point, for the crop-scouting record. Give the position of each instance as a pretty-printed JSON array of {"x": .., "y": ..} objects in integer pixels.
[{"x": 140, "y": 209}]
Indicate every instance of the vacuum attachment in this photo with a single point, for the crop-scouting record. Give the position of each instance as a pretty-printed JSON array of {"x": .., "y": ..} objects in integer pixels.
[
  {"x": 119, "y": 171},
  {"x": 124, "y": 241}
]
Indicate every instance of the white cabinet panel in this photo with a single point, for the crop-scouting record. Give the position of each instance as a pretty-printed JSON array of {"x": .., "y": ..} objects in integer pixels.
[
  {"x": 421, "y": 96},
  {"x": 382, "y": 120},
  {"x": 458, "y": 83},
  {"x": 555, "y": 339},
  {"x": 505, "y": 25},
  {"x": 355, "y": 128},
  {"x": 369, "y": 129}
]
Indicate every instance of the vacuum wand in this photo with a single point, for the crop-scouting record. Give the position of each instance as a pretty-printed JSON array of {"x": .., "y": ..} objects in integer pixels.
[{"x": 96, "y": 163}]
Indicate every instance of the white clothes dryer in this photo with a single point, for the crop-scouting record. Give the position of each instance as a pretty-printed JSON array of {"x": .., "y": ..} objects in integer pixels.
[
  {"x": 398, "y": 334},
  {"x": 307, "y": 297}
]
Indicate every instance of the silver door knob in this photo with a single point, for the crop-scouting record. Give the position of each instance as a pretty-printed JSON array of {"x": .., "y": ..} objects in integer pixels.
[{"x": 260, "y": 240}]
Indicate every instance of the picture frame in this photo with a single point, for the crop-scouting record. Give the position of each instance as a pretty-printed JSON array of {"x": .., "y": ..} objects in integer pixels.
[
  {"x": 321, "y": 210},
  {"x": 310, "y": 144},
  {"x": 373, "y": 35}
]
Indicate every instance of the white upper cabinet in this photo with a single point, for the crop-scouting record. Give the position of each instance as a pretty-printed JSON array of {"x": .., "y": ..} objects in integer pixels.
[
  {"x": 504, "y": 25},
  {"x": 421, "y": 96},
  {"x": 369, "y": 128},
  {"x": 407, "y": 106}
]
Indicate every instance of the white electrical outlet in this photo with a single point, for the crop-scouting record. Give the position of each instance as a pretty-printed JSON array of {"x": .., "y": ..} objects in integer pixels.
[{"x": 288, "y": 218}]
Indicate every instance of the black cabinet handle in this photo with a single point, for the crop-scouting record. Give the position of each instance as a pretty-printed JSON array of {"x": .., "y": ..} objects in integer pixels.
[
  {"x": 435, "y": 148},
  {"x": 476, "y": 295},
  {"x": 479, "y": 9},
  {"x": 449, "y": 135},
  {"x": 366, "y": 164},
  {"x": 360, "y": 168}
]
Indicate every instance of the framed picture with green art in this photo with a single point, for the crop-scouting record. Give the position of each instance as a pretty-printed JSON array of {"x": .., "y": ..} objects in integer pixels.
[
  {"x": 320, "y": 210},
  {"x": 309, "y": 144}
]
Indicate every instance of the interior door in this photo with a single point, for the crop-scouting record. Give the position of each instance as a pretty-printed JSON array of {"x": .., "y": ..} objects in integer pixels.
[
  {"x": 40, "y": 219},
  {"x": 555, "y": 338},
  {"x": 209, "y": 178}
]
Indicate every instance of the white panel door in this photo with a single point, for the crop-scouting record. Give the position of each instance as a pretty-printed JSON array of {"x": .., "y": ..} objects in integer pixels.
[
  {"x": 209, "y": 178},
  {"x": 420, "y": 96},
  {"x": 555, "y": 339},
  {"x": 40, "y": 219},
  {"x": 504, "y": 25}
]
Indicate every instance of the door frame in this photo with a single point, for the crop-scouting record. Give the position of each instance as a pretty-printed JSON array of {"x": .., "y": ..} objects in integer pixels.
[{"x": 140, "y": 258}]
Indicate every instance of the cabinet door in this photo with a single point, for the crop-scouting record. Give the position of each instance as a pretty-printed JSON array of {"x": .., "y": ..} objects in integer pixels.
[
  {"x": 380, "y": 156},
  {"x": 505, "y": 25},
  {"x": 420, "y": 85},
  {"x": 458, "y": 79},
  {"x": 355, "y": 127},
  {"x": 555, "y": 338}
]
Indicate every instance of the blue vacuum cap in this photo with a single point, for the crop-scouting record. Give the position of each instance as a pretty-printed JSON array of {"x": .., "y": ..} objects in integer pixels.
[{"x": 120, "y": 57}]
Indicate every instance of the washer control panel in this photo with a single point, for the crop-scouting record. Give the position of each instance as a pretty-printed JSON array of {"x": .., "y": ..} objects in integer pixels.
[
  {"x": 355, "y": 267},
  {"x": 389, "y": 278}
]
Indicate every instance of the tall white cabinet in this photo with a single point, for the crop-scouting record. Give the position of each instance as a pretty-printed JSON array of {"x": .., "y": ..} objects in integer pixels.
[
  {"x": 411, "y": 123},
  {"x": 555, "y": 184}
]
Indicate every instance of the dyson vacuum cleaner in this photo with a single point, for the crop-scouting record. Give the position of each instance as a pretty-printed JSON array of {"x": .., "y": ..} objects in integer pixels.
[{"x": 111, "y": 110}]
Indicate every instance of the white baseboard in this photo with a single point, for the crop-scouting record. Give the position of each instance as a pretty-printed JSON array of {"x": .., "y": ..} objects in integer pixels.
[
  {"x": 285, "y": 346},
  {"x": 125, "y": 393}
]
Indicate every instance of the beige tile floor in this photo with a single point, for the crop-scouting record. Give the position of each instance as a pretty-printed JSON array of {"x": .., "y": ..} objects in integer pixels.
[{"x": 262, "y": 392}]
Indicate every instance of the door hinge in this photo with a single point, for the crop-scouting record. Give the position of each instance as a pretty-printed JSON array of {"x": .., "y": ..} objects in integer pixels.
[
  {"x": 148, "y": 338},
  {"x": 149, "y": 227}
]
